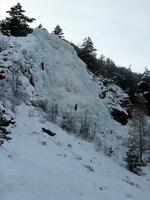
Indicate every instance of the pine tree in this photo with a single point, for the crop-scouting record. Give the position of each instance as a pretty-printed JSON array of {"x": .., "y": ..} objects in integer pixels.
[
  {"x": 0, "y": 26},
  {"x": 17, "y": 23},
  {"x": 4, "y": 28},
  {"x": 144, "y": 88},
  {"x": 136, "y": 141},
  {"x": 132, "y": 160},
  {"x": 146, "y": 74},
  {"x": 88, "y": 47},
  {"x": 88, "y": 54},
  {"x": 40, "y": 26},
  {"x": 58, "y": 31}
]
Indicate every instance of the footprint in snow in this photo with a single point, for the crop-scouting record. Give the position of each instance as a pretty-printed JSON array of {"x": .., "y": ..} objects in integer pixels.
[{"x": 89, "y": 168}]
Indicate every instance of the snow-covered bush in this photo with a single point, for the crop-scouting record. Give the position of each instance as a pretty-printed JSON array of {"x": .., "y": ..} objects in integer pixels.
[
  {"x": 85, "y": 128},
  {"x": 68, "y": 123},
  {"x": 3, "y": 43},
  {"x": 98, "y": 143},
  {"x": 53, "y": 112},
  {"x": 101, "y": 145}
]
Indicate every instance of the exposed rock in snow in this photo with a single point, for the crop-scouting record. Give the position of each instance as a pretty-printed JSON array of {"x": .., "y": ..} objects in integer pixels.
[{"x": 120, "y": 116}]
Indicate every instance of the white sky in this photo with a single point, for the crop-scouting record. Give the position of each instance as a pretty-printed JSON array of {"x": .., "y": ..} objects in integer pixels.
[{"x": 120, "y": 29}]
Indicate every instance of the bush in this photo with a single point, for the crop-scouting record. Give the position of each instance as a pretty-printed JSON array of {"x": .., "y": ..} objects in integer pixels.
[
  {"x": 133, "y": 161},
  {"x": 3, "y": 131},
  {"x": 68, "y": 123},
  {"x": 3, "y": 135},
  {"x": 85, "y": 129}
]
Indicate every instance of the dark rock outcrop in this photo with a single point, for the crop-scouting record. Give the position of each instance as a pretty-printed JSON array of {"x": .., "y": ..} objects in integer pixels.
[
  {"x": 50, "y": 133},
  {"x": 119, "y": 116}
]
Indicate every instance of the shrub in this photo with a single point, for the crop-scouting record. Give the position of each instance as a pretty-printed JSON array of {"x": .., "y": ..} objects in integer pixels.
[{"x": 133, "y": 161}]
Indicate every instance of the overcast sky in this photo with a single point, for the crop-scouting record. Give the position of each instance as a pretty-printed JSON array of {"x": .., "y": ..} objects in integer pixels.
[{"x": 120, "y": 29}]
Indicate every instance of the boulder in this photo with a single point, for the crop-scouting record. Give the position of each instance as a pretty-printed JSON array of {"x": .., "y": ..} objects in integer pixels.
[{"x": 120, "y": 116}]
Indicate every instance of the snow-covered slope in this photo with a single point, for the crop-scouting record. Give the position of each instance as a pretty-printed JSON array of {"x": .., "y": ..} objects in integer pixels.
[
  {"x": 42, "y": 80},
  {"x": 35, "y": 166},
  {"x": 50, "y": 75}
]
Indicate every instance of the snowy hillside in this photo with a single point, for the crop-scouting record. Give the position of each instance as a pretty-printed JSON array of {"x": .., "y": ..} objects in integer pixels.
[
  {"x": 35, "y": 166},
  {"x": 43, "y": 84},
  {"x": 49, "y": 74}
]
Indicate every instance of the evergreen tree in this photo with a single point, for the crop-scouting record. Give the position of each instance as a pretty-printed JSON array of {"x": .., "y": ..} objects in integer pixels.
[
  {"x": 144, "y": 88},
  {"x": 88, "y": 47},
  {"x": 137, "y": 141},
  {"x": 146, "y": 74},
  {"x": 17, "y": 23},
  {"x": 0, "y": 26},
  {"x": 40, "y": 26},
  {"x": 4, "y": 28},
  {"x": 132, "y": 160},
  {"x": 58, "y": 31},
  {"x": 88, "y": 54}
]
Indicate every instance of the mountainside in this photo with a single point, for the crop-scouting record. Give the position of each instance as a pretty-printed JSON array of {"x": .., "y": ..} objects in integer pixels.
[
  {"x": 43, "y": 82},
  {"x": 51, "y": 76}
]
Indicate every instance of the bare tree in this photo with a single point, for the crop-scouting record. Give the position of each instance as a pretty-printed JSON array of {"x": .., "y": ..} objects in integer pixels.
[{"x": 15, "y": 83}]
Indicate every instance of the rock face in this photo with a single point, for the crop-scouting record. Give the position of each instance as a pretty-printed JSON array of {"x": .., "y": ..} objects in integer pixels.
[
  {"x": 119, "y": 116},
  {"x": 118, "y": 101}
]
